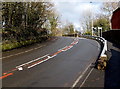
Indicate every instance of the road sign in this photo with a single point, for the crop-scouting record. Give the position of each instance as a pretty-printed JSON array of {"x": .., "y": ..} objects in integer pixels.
[
  {"x": 100, "y": 28},
  {"x": 100, "y": 31}
]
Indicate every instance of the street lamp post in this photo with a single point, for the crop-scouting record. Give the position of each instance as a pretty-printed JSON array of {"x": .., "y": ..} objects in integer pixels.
[{"x": 92, "y": 19}]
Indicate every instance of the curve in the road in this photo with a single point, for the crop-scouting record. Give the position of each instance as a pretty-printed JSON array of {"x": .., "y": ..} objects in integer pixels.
[{"x": 39, "y": 60}]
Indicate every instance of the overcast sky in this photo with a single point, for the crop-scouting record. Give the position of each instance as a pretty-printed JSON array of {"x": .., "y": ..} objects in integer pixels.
[{"x": 73, "y": 11}]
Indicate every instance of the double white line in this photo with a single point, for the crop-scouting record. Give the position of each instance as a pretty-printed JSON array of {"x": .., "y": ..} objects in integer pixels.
[{"x": 20, "y": 66}]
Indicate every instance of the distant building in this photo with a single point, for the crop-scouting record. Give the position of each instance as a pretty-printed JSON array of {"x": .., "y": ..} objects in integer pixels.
[{"x": 115, "y": 21}]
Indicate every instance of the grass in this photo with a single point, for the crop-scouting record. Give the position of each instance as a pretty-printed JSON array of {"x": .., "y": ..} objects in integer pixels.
[
  {"x": 8, "y": 46},
  {"x": 13, "y": 45}
]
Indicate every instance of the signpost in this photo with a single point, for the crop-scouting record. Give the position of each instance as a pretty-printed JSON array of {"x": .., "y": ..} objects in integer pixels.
[{"x": 100, "y": 31}]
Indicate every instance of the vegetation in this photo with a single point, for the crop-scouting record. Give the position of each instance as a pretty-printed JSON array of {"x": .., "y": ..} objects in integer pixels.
[
  {"x": 68, "y": 29},
  {"x": 24, "y": 23},
  {"x": 54, "y": 21},
  {"x": 102, "y": 22},
  {"x": 99, "y": 19},
  {"x": 88, "y": 32},
  {"x": 108, "y": 8}
]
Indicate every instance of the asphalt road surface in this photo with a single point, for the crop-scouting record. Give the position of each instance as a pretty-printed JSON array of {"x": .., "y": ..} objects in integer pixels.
[{"x": 60, "y": 62}]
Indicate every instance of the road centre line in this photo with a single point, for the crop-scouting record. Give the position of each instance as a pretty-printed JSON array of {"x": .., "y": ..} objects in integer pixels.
[
  {"x": 20, "y": 66},
  {"x": 49, "y": 57},
  {"x": 6, "y": 75},
  {"x": 57, "y": 52},
  {"x": 10, "y": 71},
  {"x": 22, "y": 52},
  {"x": 39, "y": 62},
  {"x": 32, "y": 61},
  {"x": 65, "y": 49},
  {"x": 62, "y": 48},
  {"x": 70, "y": 47},
  {"x": 29, "y": 51}
]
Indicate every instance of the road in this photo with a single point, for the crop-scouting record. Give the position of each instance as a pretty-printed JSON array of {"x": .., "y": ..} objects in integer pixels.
[{"x": 60, "y": 62}]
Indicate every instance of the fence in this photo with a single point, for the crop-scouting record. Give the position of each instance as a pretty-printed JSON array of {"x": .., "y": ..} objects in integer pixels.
[{"x": 113, "y": 36}]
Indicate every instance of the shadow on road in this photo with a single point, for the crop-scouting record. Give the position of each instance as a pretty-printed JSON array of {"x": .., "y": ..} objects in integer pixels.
[{"x": 112, "y": 73}]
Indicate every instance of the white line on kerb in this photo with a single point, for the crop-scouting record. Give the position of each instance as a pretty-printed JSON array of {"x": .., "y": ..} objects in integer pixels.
[
  {"x": 22, "y": 52},
  {"x": 78, "y": 79}
]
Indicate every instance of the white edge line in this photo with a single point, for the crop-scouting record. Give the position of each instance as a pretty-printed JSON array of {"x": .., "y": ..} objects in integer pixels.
[
  {"x": 78, "y": 79},
  {"x": 86, "y": 77},
  {"x": 31, "y": 61}
]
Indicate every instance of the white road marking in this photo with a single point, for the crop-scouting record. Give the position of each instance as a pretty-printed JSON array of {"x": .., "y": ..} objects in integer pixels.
[
  {"x": 62, "y": 48},
  {"x": 78, "y": 79},
  {"x": 53, "y": 56},
  {"x": 76, "y": 42},
  {"x": 20, "y": 68},
  {"x": 32, "y": 61},
  {"x": 49, "y": 57},
  {"x": 22, "y": 52},
  {"x": 39, "y": 62},
  {"x": 65, "y": 49},
  {"x": 73, "y": 42},
  {"x": 86, "y": 77},
  {"x": 69, "y": 47}
]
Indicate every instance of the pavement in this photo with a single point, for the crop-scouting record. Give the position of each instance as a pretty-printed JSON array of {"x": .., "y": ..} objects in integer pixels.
[{"x": 60, "y": 62}]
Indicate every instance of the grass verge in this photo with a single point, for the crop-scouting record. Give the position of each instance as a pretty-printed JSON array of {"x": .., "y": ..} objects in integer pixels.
[{"x": 13, "y": 45}]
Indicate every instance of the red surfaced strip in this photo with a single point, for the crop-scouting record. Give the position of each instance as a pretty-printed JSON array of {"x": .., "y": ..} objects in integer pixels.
[
  {"x": 6, "y": 75},
  {"x": 57, "y": 52}
]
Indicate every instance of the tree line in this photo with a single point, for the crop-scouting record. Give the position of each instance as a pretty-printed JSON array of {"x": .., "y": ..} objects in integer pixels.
[
  {"x": 27, "y": 22},
  {"x": 24, "y": 20},
  {"x": 102, "y": 19}
]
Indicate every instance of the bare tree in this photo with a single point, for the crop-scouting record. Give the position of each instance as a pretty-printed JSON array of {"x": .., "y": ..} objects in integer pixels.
[
  {"x": 86, "y": 20},
  {"x": 108, "y": 8}
]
